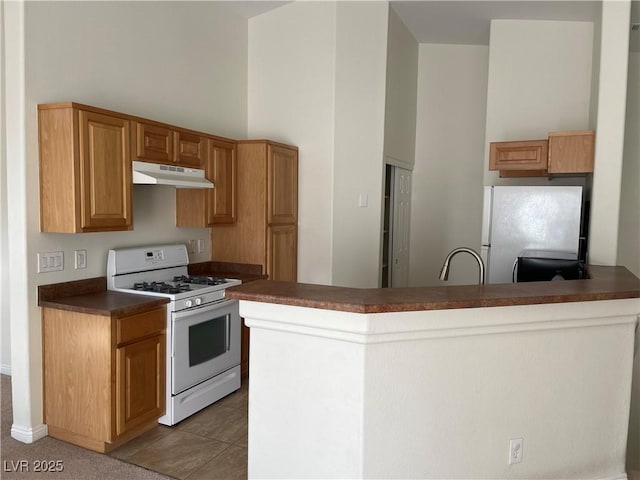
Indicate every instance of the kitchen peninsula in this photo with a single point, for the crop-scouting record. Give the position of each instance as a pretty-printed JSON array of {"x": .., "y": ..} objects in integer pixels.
[{"x": 437, "y": 382}]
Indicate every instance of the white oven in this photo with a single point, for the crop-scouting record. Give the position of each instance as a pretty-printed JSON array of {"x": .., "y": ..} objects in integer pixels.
[
  {"x": 205, "y": 342},
  {"x": 203, "y": 328}
]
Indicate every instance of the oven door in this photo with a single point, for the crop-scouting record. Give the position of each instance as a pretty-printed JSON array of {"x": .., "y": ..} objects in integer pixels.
[{"x": 205, "y": 342}]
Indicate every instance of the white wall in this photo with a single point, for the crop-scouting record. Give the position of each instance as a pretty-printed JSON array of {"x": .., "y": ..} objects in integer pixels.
[
  {"x": 629, "y": 234},
  {"x": 291, "y": 99},
  {"x": 447, "y": 178},
  {"x": 629, "y": 229},
  {"x": 5, "y": 334},
  {"x": 612, "y": 99},
  {"x": 539, "y": 81},
  {"x": 182, "y": 63},
  {"x": 306, "y": 88},
  {"x": 361, "y": 65},
  {"x": 401, "y": 94}
]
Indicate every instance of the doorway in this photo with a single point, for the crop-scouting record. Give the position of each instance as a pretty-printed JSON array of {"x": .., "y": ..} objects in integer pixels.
[{"x": 395, "y": 227}]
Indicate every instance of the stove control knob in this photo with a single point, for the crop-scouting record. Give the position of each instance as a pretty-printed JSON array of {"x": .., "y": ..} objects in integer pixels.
[
  {"x": 188, "y": 303},
  {"x": 198, "y": 301}
]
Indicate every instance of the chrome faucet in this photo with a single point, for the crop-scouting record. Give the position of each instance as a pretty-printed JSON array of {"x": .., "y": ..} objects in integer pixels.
[{"x": 444, "y": 273}]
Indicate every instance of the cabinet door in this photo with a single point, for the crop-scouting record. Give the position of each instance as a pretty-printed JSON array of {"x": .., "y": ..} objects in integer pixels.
[
  {"x": 221, "y": 169},
  {"x": 140, "y": 383},
  {"x": 189, "y": 149},
  {"x": 282, "y": 185},
  {"x": 105, "y": 164},
  {"x": 282, "y": 253},
  {"x": 153, "y": 143},
  {"x": 571, "y": 152},
  {"x": 527, "y": 155}
]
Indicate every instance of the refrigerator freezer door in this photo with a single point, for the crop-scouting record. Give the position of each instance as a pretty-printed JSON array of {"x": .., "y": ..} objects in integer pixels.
[{"x": 540, "y": 218}]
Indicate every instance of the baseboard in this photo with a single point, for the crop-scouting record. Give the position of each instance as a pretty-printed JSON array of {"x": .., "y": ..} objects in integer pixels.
[
  {"x": 28, "y": 435},
  {"x": 5, "y": 369}
]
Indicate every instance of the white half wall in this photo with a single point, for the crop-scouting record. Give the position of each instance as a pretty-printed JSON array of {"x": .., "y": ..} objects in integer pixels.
[
  {"x": 446, "y": 206},
  {"x": 291, "y": 99},
  {"x": 540, "y": 76},
  {"x": 438, "y": 394},
  {"x": 181, "y": 63}
]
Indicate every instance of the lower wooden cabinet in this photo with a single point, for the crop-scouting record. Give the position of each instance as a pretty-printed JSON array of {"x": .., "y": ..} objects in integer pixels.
[
  {"x": 140, "y": 387},
  {"x": 104, "y": 376}
]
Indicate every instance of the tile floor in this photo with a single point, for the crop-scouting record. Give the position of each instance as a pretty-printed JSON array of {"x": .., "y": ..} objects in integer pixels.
[{"x": 212, "y": 444}]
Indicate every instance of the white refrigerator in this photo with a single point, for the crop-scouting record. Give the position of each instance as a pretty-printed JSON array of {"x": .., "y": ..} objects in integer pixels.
[{"x": 527, "y": 218}]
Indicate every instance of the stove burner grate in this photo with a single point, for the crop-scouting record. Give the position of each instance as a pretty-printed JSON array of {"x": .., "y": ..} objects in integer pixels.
[
  {"x": 161, "y": 287},
  {"x": 200, "y": 280}
]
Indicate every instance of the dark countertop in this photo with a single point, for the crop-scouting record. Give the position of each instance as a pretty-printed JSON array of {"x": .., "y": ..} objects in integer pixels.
[
  {"x": 91, "y": 296},
  {"x": 606, "y": 283},
  {"x": 242, "y": 271}
]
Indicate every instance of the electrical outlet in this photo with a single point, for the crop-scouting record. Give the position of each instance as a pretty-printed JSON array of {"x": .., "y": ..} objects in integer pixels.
[
  {"x": 192, "y": 246},
  {"x": 516, "y": 446},
  {"x": 81, "y": 259},
  {"x": 50, "y": 261},
  {"x": 201, "y": 245}
]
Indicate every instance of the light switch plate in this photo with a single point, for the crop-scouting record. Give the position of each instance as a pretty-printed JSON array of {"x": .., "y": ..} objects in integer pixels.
[
  {"x": 81, "y": 259},
  {"x": 50, "y": 262}
]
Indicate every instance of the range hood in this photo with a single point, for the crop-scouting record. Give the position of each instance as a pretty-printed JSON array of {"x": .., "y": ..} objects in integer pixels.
[{"x": 145, "y": 173}]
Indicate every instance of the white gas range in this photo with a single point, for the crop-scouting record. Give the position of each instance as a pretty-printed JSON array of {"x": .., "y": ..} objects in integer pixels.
[{"x": 203, "y": 328}]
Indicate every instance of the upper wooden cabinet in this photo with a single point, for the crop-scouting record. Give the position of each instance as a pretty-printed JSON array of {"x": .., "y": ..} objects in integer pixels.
[
  {"x": 265, "y": 232},
  {"x": 525, "y": 155},
  {"x": 189, "y": 148},
  {"x": 85, "y": 170},
  {"x": 569, "y": 152},
  {"x": 282, "y": 192},
  {"x": 153, "y": 143},
  {"x": 161, "y": 144},
  {"x": 222, "y": 169},
  {"x": 206, "y": 207}
]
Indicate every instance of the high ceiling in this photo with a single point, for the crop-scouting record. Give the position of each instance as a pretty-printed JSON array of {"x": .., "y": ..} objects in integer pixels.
[{"x": 466, "y": 22}]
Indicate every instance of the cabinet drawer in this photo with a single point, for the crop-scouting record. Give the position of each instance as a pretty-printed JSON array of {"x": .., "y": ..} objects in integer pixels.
[{"x": 140, "y": 325}]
